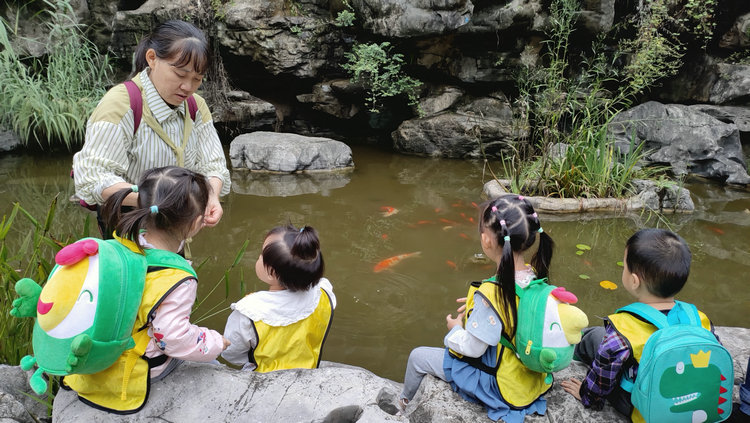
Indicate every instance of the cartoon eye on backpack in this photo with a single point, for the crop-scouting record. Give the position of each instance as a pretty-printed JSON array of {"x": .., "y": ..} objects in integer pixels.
[{"x": 86, "y": 310}]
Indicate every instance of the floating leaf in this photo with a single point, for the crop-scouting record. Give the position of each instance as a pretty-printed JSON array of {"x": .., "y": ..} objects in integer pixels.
[
  {"x": 608, "y": 285},
  {"x": 619, "y": 263},
  {"x": 582, "y": 276},
  {"x": 579, "y": 253},
  {"x": 583, "y": 247}
]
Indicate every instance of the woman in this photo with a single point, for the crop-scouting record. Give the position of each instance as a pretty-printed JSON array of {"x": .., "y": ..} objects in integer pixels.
[{"x": 170, "y": 64}]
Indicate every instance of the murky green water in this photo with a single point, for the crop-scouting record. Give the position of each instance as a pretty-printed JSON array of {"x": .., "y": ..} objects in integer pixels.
[{"x": 381, "y": 316}]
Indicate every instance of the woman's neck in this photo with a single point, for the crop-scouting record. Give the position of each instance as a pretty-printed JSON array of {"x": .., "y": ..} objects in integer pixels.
[{"x": 163, "y": 240}]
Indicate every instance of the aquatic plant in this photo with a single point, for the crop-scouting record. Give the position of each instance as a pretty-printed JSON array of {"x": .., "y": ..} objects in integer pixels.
[
  {"x": 48, "y": 100},
  {"x": 570, "y": 152}
]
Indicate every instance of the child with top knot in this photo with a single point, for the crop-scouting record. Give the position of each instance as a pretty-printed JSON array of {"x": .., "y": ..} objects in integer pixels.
[
  {"x": 475, "y": 362},
  {"x": 286, "y": 326}
]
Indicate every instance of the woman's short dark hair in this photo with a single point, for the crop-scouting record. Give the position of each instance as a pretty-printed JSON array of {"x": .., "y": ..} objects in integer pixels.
[{"x": 179, "y": 41}]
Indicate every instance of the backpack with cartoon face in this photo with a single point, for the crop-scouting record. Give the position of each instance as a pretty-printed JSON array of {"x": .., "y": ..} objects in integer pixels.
[
  {"x": 86, "y": 310},
  {"x": 548, "y": 327}
]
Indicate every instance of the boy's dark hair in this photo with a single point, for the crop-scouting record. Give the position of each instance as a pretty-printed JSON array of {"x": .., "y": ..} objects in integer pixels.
[
  {"x": 661, "y": 259},
  {"x": 178, "y": 194},
  {"x": 514, "y": 216},
  {"x": 295, "y": 258},
  {"x": 178, "y": 40}
]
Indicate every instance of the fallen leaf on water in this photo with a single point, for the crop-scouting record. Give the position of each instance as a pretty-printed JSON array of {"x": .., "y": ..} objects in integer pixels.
[
  {"x": 608, "y": 285},
  {"x": 579, "y": 252},
  {"x": 583, "y": 247},
  {"x": 619, "y": 263},
  {"x": 582, "y": 276}
]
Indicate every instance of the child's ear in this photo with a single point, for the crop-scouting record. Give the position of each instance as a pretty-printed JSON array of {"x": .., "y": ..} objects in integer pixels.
[
  {"x": 486, "y": 240},
  {"x": 636, "y": 281}
]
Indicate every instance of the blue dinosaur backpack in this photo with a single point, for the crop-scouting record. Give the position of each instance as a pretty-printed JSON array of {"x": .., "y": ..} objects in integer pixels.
[
  {"x": 685, "y": 374},
  {"x": 85, "y": 313}
]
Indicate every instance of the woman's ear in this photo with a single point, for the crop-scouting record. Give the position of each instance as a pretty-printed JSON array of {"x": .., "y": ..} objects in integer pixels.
[{"x": 151, "y": 57}]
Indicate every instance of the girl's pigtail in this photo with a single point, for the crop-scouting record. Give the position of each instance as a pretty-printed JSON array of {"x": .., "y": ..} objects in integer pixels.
[
  {"x": 506, "y": 278},
  {"x": 306, "y": 244},
  {"x": 111, "y": 210},
  {"x": 130, "y": 224},
  {"x": 543, "y": 256}
]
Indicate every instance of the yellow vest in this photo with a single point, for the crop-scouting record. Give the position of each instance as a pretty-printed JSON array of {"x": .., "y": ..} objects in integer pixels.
[
  {"x": 293, "y": 346},
  {"x": 519, "y": 386},
  {"x": 123, "y": 387},
  {"x": 636, "y": 332}
]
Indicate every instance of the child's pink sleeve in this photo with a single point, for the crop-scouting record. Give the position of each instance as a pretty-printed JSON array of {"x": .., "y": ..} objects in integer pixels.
[{"x": 173, "y": 334}]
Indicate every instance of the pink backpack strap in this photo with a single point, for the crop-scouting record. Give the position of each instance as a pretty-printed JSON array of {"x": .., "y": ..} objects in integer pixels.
[
  {"x": 136, "y": 103},
  {"x": 192, "y": 107}
]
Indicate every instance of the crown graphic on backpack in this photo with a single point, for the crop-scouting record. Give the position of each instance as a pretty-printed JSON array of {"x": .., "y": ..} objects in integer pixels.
[
  {"x": 684, "y": 373},
  {"x": 87, "y": 308}
]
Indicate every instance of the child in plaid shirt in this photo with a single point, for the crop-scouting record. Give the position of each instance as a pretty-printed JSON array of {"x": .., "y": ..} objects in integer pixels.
[{"x": 655, "y": 268}]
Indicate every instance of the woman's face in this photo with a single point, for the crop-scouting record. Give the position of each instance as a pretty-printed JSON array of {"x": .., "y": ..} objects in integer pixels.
[{"x": 174, "y": 84}]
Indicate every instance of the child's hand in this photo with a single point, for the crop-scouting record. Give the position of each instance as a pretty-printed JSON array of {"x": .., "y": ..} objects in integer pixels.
[
  {"x": 451, "y": 322},
  {"x": 226, "y": 343},
  {"x": 573, "y": 387},
  {"x": 463, "y": 307}
]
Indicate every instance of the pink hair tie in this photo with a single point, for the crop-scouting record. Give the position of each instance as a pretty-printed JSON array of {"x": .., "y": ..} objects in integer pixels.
[
  {"x": 520, "y": 197},
  {"x": 534, "y": 214},
  {"x": 502, "y": 222},
  {"x": 494, "y": 209}
]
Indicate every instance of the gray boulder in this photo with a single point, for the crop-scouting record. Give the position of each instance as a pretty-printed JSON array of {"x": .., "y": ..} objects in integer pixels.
[
  {"x": 738, "y": 115},
  {"x": 9, "y": 141},
  {"x": 282, "y": 152},
  {"x": 687, "y": 140},
  {"x": 474, "y": 126},
  {"x": 245, "y": 112},
  {"x": 17, "y": 400},
  {"x": 338, "y": 393},
  {"x": 410, "y": 18},
  {"x": 329, "y": 97}
]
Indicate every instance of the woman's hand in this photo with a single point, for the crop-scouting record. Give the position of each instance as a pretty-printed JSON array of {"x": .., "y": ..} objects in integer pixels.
[
  {"x": 213, "y": 211},
  {"x": 573, "y": 387},
  {"x": 213, "y": 207}
]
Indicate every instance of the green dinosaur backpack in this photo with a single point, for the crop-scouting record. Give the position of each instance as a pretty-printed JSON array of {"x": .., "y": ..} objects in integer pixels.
[
  {"x": 685, "y": 374},
  {"x": 548, "y": 327},
  {"x": 87, "y": 308}
]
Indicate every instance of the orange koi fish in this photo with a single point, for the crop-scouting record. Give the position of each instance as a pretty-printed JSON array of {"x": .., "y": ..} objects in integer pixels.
[
  {"x": 451, "y": 264},
  {"x": 384, "y": 236},
  {"x": 425, "y": 222},
  {"x": 388, "y": 211},
  {"x": 475, "y": 205},
  {"x": 438, "y": 210},
  {"x": 717, "y": 230},
  {"x": 448, "y": 221},
  {"x": 464, "y": 236},
  {"x": 390, "y": 261}
]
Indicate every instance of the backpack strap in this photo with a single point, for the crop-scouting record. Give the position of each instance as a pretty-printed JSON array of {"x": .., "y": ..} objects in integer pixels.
[
  {"x": 192, "y": 107},
  {"x": 647, "y": 312},
  {"x": 136, "y": 103}
]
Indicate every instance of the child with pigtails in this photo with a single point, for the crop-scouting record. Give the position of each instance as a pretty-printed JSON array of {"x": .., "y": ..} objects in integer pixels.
[{"x": 475, "y": 361}]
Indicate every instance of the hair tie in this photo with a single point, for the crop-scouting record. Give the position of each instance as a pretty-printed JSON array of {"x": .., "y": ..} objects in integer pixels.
[
  {"x": 154, "y": 209},
  {"x": 506, "y": 238},
  {"x": 494, "y": 209},
  {"x": 534, "y": 215},
  {"x": 301, "y": 229},
  {"x": 134, "y": 188},
  {"x": 540, "y": 230},
  {"x": 520, "y": 197}
]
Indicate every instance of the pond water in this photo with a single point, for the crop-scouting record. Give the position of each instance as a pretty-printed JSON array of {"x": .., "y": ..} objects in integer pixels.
[{"x": 381, "y": 316}]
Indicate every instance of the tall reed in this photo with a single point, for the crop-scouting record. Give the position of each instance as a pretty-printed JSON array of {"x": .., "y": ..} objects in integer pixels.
[{"x": 47, "y": 101}]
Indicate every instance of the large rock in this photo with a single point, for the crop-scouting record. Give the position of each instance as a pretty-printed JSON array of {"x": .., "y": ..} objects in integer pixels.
[
  {"x": 280, "y": 152},
  {"x": 9, "y": 141},
  {"x": 245, "y": 113},
  {"x": 338, "y": 393},
  {"x": 482, "y": 125},
  {"x": 18, "y": 403},
  {"x": 412, "y": 18},
  {"x": 687, "y": 140}
]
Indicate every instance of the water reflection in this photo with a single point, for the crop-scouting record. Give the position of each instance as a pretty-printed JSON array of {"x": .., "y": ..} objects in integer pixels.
[{"x": 382, "y": 316}]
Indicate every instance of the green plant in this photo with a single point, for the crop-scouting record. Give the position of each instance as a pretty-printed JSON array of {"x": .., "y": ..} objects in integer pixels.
[
  {"x": 573, "y": 154},
  {"x": 379, "y": 71},
  {"x": 345, "y": 17},
  {"x": 49, "y": 101},
  {"x": 296, "y": 30}
]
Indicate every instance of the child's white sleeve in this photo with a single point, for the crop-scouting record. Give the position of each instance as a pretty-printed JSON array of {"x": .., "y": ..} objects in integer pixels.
[{"x": 240, "y": 331}]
